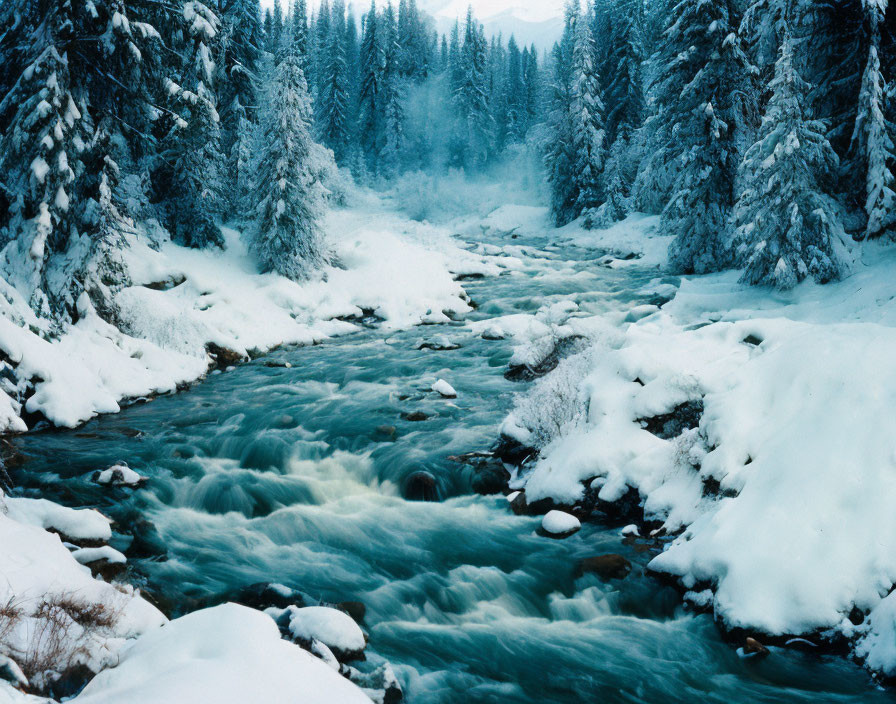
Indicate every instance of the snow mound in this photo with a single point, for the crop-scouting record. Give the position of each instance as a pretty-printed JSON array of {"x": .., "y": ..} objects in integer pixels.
[
  {"x": 55, "y": 605},
  {"x": 74, "y": 524},
  {"x": 228, "y": 654},
  {"x": 635, "y": 241},
  {"x": 560, "y": 523}
]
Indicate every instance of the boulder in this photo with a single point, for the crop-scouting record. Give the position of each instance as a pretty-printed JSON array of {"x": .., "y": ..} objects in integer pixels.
[
  {"x": 335, "y": 629},
  {"x": 606, "y": 567},
  {"x": 755, "y": 648},
  {"x": 421, "y": 486},
  {"x": 559, "y": 524},
  {"x": 119, "y": 475}
]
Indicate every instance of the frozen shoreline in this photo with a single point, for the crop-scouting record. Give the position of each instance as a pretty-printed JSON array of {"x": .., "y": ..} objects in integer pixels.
[
  {"x": 185, "y": 304},
  {"x": 749, "y": 424}
]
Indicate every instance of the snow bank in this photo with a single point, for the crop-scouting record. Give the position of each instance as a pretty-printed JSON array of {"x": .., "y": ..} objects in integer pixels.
[
  {"x": 73, "y": 524},
  {"x": 635, "y": 241},
  {"x": 750, "y": 422},
  {"x": 56, "y": 614},
  {"x": 183, "y": 300},
  {"x": 226, "y": 654}
]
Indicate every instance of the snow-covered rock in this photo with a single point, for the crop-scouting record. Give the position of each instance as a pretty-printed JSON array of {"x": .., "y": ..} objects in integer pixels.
[
  {"x": 335, "y": 629},
  {"x": 228, "y": 655},
  {"x": 444, "y": 389},
  {"x": 105, "y": 553},
  {"x": 560, "y": 523},
  {"x": 119, "y": 475}
]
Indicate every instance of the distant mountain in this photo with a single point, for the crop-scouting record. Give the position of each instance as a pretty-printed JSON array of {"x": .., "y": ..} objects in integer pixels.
[{"x": 538, "y": 22}]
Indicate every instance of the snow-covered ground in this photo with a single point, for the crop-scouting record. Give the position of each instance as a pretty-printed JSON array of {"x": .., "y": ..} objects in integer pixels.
[
  {"x": 753, "y": 426},
  {"x": 181, "y": 301},
  {"x": 56, "y": 619}
]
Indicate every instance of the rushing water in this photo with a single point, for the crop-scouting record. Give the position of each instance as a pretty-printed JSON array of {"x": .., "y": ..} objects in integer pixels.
[{"x": 296, "y": 475}]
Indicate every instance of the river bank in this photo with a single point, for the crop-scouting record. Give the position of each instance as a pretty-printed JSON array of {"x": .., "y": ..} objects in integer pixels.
[{"x": 298, "y": 469}]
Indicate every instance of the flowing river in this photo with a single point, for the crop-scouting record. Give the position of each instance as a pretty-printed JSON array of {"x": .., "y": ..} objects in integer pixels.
[{"x": 296, "y": 475}]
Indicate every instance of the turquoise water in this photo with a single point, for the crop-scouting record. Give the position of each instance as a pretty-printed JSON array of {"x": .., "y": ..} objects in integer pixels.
[{"x": 297, "y": 476}]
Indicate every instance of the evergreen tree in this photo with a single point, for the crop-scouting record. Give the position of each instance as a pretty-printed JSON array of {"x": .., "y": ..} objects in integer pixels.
[
  {"x": 872, "y": 141},
  {"x": 392, "y": 96},
  {"x": 443, "y": 55},
  {"x": 276, "y": 37},
  {"x": 40, "y": 154},
  {"x": 243, "y": 43},
  {"x": 476, "y": 137},
  {"x": 532, "y": 80},
  {"x": 515, "y": 97},
  {"x": 787, "y": 228},
  {"x": 371, "y": 107},
  {"x": 455, "y": 69},
  {"x": 624, "y": 98},
  {"x": 321, "y": 45},
  {"x": 66, "y": 67},
  {"x": 300, "y": 32},
  {"x": 693, "y": 152},
  {"x": 290, "y": 197},
  {"x": 588, "y": 122},
  {"x": 560, "y": 155},
  {"x": 333, "y": 107},
  {"x": 189, "y": 179}
]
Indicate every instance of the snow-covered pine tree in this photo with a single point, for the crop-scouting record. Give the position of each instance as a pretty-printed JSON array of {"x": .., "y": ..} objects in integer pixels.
[
  {"x": 243, "y": 44},
  {"x": 64, "y": 65},
  {"x": 39, "y": 153},
  {"x": 371, "y": 104},
  {"x": 299, "y": 31},
  {"x": 872, "y": 148},
  {"x": 320, "y": 47},
  {"x": 275, "y": 40},
  {"x": 761, "y": 28},
  {"x": 392, "y": 95},
  {"x": 333, "y": 119},
  {"x": 839, "y": 35},
  {"x": 624, "y": 98},
  {"x": 515, "y": 94},
  {"x": 533, "y": 82},
  {"x": 414, "y": 59},
  {"x": 587, "y": 123},
  {"x": 476, "y": 136},
  {"x": 290, "y": 197},
  {"x": 497, "y": 90},
  {"x": 189, "y": 180},
  {"x": 443, "y": 54},
  {"x": 560, "y": 156},
  {"x": 699, "y": 110},
  {"x": 787, "y": 227},
  {"x": 455, "y": 69}
]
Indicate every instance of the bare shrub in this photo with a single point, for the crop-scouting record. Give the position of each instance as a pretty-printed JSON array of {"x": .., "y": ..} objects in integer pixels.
[
  {"x": 63, "y": 626},
  {"x": 10, "y": 614}
]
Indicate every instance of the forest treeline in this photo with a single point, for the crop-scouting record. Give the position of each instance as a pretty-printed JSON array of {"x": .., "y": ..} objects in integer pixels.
[{"x": 761, "y": 130}]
